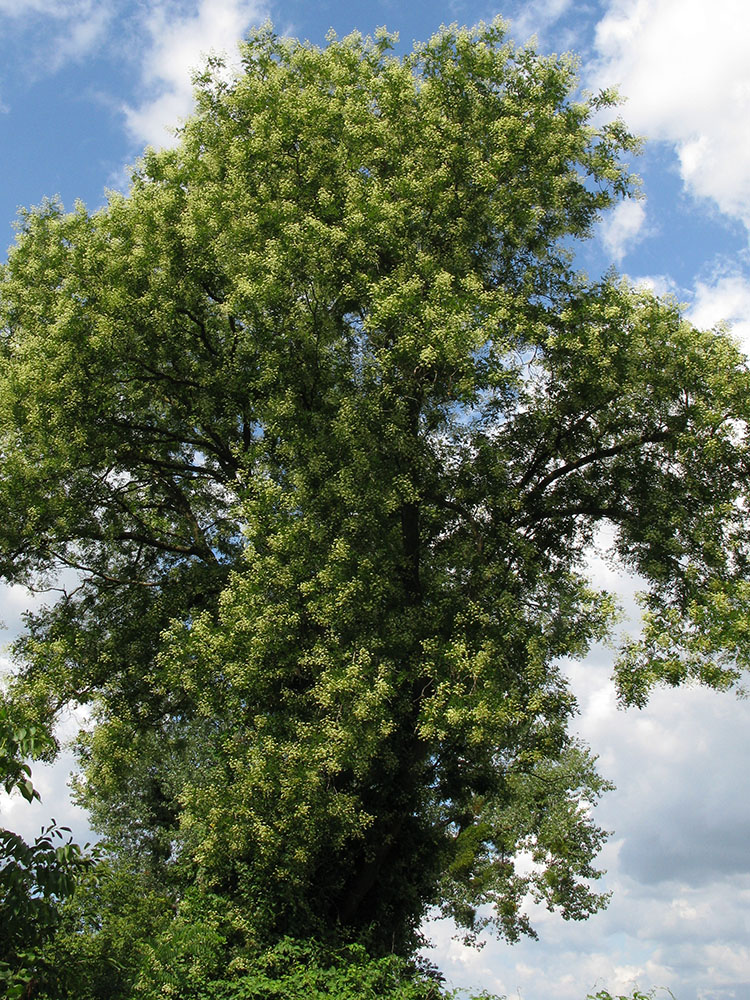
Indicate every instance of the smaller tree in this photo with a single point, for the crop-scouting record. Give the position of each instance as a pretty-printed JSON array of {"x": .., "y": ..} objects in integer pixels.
[{"x": 34, "y": 878}]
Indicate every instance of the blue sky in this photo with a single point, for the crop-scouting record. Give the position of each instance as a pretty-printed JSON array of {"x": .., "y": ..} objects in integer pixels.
[{"x": 85, "y": 84}]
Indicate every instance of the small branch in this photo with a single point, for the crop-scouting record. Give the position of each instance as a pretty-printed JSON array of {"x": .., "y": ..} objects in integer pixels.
[{"x": 96, "y": 572}]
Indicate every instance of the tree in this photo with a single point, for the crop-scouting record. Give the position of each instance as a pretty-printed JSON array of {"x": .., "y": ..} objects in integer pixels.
[
  {"x": 34, "y": 878},
  {"x": 325, "y": 423}
]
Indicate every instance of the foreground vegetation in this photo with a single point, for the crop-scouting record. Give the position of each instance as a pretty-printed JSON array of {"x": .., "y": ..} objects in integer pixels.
[{"x": 321, "y": 423}]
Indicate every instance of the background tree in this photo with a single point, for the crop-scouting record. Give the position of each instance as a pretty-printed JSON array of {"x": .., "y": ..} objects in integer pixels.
[{"x": 326, "y": 424}]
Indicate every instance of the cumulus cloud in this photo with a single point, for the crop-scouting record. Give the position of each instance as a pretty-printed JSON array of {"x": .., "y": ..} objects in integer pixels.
[
  {"x": 14, "y": 601},
  {"x": 726, "y": 299},
  {"x": 721, "y": 299},
  {"x": 178, "y": 41},
  {"x": 692, "y": 835},
  {"x": 684, "y": 67},
  {"x": 676, "y": 864},
  {"x": 623, "y": 228}
]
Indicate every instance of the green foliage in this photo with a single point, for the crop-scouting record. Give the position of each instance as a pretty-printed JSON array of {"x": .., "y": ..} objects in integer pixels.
[
  {"x": 17, "y": 742},
  {"x": 303, "y": 970},
  {"x": 34, "y": 878},
  {"x": 325, "y": 424},
  {"x": 119, "y": 939},
  {"x": 104, "y": 932}
]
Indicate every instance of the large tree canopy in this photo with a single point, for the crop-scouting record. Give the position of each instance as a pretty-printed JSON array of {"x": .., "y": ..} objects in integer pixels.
[{"x": 322, "y": 424}]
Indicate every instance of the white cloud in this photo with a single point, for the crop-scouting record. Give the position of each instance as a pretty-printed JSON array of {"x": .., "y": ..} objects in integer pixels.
[
  {"x": 684, "y": 67},
  {"x": 51, "y": 781},
  {"x": 678, "y": 864},
  {"x": 725, "y": 300},
  {"x": 52, "y": 33},
  {"x": 178, "y": 44},
  {"x": 72, "y": 28},
  {"x": 83, "y": 32},
  {"x": 22, "y": 8},
  {"x": 623, "y": 228},
  {"x": 548, "y": 22},
  {"x": 660, "y": 284},
  {"x": 537, "y": 16},
  {"x": 14, "y": 601},
  {"x": 722, "y": 299},
  {"x": 168, "y": 40}
]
